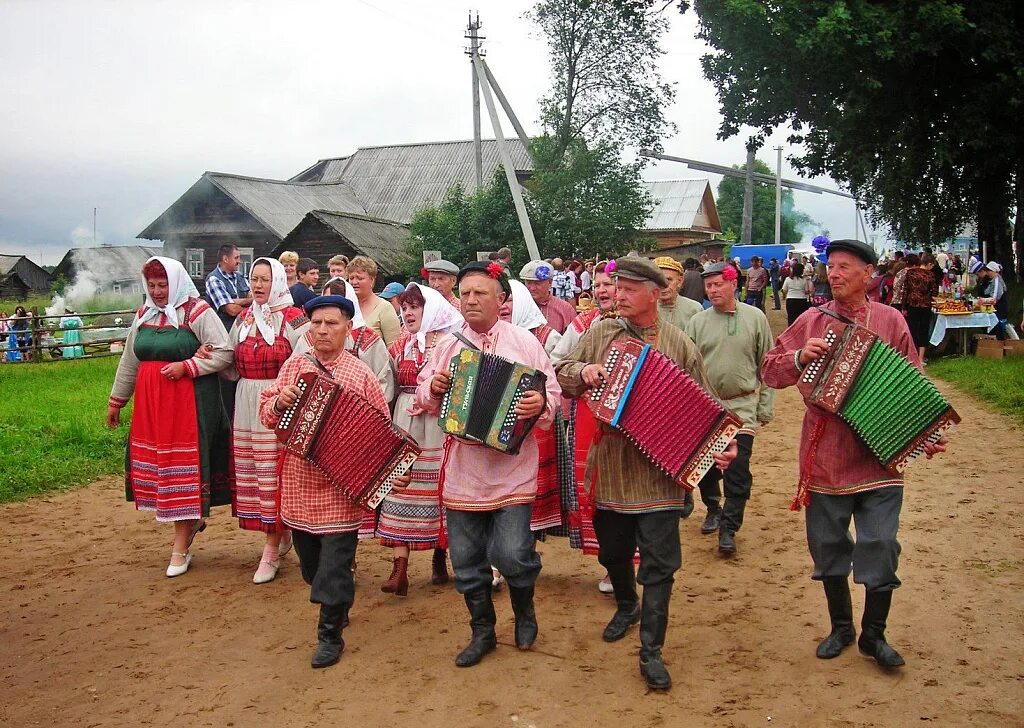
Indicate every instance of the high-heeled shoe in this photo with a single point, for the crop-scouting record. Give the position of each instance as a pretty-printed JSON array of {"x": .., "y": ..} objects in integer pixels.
[
  {"x": 269, "y": 564},
  {"x": 179, "y": 569}
]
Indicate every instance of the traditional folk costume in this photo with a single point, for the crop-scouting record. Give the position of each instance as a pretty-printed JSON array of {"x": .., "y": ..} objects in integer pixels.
[
  {"x": 680, "y": 312},
  {"x": 324, "y": 520},
  {"x": 178, "y": 444},
  {"x": 637, "y": 505},
  {"x": 263, "y": 338},
  {"x": 72, "y": 348},
  {"x": 732, "y": 347},
  {"x": 488, "y": 495},
  {"x": 412, "y": 518},
  {"x": 841, "y": 479}
]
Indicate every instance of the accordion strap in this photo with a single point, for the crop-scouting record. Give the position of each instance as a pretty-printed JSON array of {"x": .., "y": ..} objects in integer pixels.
[
  {"x": 465, "y": 341},
  {"x": 326, "y": 372},
  {"x": 835, "y": 315}
]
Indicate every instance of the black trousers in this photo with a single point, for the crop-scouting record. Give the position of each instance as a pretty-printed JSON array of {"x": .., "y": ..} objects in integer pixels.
[
  {"x": 875, "y": 554},
  {"x": 795, "y": 307},
  {"x": 655, "y": 534},
  {"x": 326, "y": 562},
  {"x": 738, "y": 482}
]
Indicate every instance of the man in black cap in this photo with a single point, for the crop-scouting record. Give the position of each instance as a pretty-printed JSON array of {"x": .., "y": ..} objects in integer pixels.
[
  {"x": 840, "y": 478},
  {"x": 638, "y": 506},
  {"x": 324, "y": 521}
]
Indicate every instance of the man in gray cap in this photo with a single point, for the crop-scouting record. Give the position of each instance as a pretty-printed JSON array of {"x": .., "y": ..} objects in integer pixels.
[
  {"x": 840, "y": 478},
  {"x": 638, "y": 506},
  {"x": 537, "y": 276},
  {"x": 441, "y": 275},
  {"x": 732, "y": 338}
]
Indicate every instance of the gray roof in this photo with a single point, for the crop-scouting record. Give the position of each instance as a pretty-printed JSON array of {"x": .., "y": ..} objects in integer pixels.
[
  {"x": 107, "y": 262},
  {"x": 677, "y": 203},
  {"x": 325, "y": 170},
  {"x": 7, "y": 262},
  {"x": 382, "y": 240}
]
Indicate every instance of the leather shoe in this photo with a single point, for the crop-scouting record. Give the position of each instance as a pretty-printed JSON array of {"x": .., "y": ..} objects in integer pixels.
[
  {"x": 179, "y": 569},
  {"x": 687, "y": 504},
  {"x": 655, "y": 673},
  {"x": 726, "y": 542},
  {"x": 711, "y": 523},
  {"x": 621, "y": 621}
]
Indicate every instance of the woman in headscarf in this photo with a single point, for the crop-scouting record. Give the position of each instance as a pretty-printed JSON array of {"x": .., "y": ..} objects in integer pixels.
[
  {"x": 177, "y": 463},
  {"x": 410, "y": 519},
  {"x": 71, "y": 322},
  {"x": 995, "y": 288},
  {"x": 262, "y": 337}
]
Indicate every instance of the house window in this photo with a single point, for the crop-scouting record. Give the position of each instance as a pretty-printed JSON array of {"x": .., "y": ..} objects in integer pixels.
[
  {"x": 194, "y": 262},
  {"x": 116, "y": 287},
  {"x": 246, "y": 267}
]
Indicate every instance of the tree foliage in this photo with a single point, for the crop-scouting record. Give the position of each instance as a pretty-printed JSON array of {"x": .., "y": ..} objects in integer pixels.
[
  {"x": 606, "y": 87},
  {"x": 730, "y": 210},
  {"x": 914, "y": 103}
]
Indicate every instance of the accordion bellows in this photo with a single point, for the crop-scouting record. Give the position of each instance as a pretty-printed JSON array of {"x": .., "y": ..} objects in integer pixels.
[
  {"x": 354, "y": 445},
  {"x": 480, "y": 404},
  {"x": 663, "y": 411},
  {"x": 894, "y": 408}
]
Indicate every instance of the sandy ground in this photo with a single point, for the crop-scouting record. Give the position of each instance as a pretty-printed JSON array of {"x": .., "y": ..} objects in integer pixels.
[{"x": 93, "y": 634}]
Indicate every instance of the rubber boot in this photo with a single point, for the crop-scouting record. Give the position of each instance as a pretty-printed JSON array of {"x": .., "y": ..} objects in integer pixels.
[
  {"x": 439, "y": 567},
  {"x": 627, "y": 603},
  {"x": 526, "y": 615},
  {"x": 872, "y": 630},
  {"x": 398, "y": 582},
  {"x": 482, "y": 620},
  {"x": 653, "y": 624},
  {"x": 330, "y": 644},
  {"x": 840, "y": 613}
]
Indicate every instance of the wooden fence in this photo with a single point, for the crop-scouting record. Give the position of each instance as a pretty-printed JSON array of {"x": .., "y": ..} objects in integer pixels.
[{"x": 43, "y": 346}]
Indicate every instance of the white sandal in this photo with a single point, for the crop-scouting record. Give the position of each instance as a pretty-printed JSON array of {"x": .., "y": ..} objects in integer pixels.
[{"x": 179, "y": 569}]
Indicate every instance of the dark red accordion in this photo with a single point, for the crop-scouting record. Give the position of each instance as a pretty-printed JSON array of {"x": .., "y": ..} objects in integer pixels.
[
  {"x": 662, "y": 411},
  {"x": 350, "y": 441}
]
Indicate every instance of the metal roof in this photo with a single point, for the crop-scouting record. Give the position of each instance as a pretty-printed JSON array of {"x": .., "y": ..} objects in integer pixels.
[
  {"x": 382, "y": 240},
  {"x": 677, "y": 203}
]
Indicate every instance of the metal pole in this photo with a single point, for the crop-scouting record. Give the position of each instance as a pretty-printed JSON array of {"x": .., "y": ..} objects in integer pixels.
[
  {"x": 506, "y": 160},
  {"x": 474, "y": 53},
  {"x": 94, "y": 226},
  {"x": 778, "y": 196},
  {"x": 856, "y": 217},
  {"x": 748, "y": 198},
  {"x": 507, "y": 107}
]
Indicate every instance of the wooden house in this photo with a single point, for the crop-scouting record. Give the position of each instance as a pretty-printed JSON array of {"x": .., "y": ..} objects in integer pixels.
[
  {"x": 21, "y": 278},
  {"x": 684, "y": 220},
  {"x": 114, "y": 269}
]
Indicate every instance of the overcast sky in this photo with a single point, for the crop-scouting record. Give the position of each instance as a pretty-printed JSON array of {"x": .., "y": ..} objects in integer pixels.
[{"x": 122, "y": 105}]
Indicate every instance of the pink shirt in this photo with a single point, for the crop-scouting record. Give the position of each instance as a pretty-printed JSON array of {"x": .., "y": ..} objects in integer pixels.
[
  {"x": 558, "y": 313},
  {"x": 477, "y": 478}
]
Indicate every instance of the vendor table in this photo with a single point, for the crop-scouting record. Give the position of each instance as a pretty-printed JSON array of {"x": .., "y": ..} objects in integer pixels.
[{"x": 963, "y": 321}]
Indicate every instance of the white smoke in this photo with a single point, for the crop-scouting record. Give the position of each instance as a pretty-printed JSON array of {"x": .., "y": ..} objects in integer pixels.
[
  {"x": 84, "y": 289},
  {"x": 82, "y": 237}
]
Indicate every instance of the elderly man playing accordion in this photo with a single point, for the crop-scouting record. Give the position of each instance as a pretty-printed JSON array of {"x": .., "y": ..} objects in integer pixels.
[
  {"x": 840, "y": 478},
  {"x": 323, "y": 518},
  {"x": 489, "y": 494},
  {"x": 638, "y": 506}
]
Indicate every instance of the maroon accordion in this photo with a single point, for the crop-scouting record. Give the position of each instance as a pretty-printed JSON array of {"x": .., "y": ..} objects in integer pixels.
[
  {"x": 322, "y": 425},
  {"x": 662, "y": 411}
]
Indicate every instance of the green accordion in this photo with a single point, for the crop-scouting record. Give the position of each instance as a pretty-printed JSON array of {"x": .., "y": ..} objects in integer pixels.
[
  {"x": 894, "y": 408},
  {"x": 480, "y": 404}
]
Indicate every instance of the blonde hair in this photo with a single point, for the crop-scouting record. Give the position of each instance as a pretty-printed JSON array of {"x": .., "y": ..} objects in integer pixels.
[
  {"x": 338, "y": 260},
  {"x": 288, "y": 256},
  {"x": 362, "y": 264}
]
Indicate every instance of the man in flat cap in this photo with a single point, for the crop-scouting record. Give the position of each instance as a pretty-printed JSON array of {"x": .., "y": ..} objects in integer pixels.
[
  {"x": 441, "y": 276},
  {"x": 324, "y": 520},
  {"x": 537, "y": 276},
  {"x": 840, "y": 478},
  {"x": 672, "y": 307},
  {"x": 732, "y": 338},
  {"x": 637, "y": 505}
]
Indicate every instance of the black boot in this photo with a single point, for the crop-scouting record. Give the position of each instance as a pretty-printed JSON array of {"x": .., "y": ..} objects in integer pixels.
[
  {"x": 526, "y": 616},
  {"x": 726, "y": 542},
  {"x": 653, "y": 623},
  {"x": 627, "y": 611},
  {"x": 712, "y": 522},
  {"x": 328, "y": 632},
  {"x": 872, "y": 630},
  {"x": 687, "y": 504},
  {"x": 840, "y": 613},
  {"x": 482, "y": 620}
]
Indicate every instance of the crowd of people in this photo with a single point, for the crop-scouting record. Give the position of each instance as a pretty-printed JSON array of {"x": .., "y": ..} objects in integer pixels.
[{"x": 211, "y": 378}]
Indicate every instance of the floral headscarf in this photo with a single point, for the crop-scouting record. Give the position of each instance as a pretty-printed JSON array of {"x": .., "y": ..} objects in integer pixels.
[
  {"x": 438, "y": 315},
  {"x": 180, "y": 288},
  {"x": 261, "y": 314}
]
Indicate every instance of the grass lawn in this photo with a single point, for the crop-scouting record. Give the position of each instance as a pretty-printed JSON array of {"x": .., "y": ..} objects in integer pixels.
[
  {"x": 998, "y": 381},
  {"x": 52, "y": 431}
]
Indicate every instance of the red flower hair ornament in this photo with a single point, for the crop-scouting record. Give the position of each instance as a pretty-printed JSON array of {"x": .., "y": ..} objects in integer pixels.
[
  {"x": 424, "y": 273},
  {"x": 495, "y": 270},
  {"x": 729, "y": 273}
]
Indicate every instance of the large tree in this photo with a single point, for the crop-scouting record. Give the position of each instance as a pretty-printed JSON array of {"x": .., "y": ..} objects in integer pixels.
[
  {"x": 729, "y": 201},
  {"x": 916, "y": 104}
]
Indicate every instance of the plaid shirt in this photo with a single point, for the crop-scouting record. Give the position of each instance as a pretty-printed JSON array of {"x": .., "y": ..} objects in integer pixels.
[{"x": 220, "y": 293}]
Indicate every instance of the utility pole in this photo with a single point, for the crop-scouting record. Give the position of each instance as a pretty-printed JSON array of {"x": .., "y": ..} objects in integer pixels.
[
  {"x": 524, "y": 140},
  {"x": 474, "y": 52},
  {"x": 94, "y": 226},
  {"x": 778, "y": 196},
  {"x": 748, "y": 197}
]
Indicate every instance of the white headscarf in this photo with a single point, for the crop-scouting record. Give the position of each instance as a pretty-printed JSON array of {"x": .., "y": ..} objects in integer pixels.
[
  {"x": 358, "y": 321},
  {"x": 180, "y": 288},
  {"x": 262, "y": 314},
  {"x": 525, "y": 312},
  {"x": 438, "y": 315}
]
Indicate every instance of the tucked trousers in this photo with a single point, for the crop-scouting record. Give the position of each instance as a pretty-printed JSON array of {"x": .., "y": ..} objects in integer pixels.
[
  {"x": 656, "y": 535},
  {"x": 326, "y": 563},
  {"x": 738, "y": 482},
  {"x": 478, "y": 540},
  {"x": 874, "y": 555}
]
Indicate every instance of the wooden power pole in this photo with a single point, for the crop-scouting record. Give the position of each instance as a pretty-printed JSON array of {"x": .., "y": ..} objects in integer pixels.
[{"x": 472, "y": 33}]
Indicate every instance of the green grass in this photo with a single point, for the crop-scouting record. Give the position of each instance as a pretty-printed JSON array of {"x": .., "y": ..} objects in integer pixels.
[
  {"x": 52, "y": 431},
  {"x": 997, "y": 381}
]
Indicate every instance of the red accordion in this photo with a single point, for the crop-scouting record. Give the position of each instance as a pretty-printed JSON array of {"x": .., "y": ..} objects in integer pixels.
[
  {"x": 322, "y": 425},
  {"x": 662, "y": 411}
]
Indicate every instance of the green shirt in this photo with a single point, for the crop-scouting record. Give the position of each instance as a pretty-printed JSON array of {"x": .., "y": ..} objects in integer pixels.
[{"x": 679, "y": 313}]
